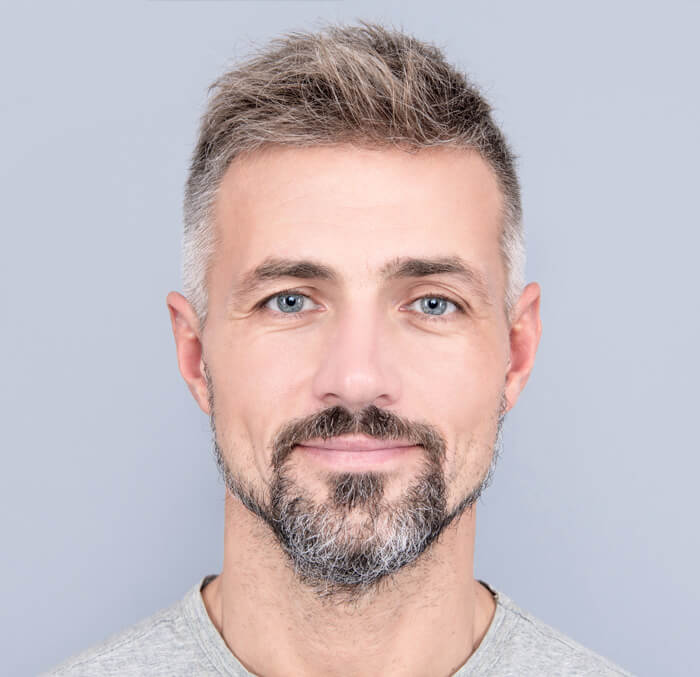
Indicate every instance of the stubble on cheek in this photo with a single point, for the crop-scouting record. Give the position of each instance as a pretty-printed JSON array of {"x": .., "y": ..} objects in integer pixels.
[{"x": 475, "y": 454}]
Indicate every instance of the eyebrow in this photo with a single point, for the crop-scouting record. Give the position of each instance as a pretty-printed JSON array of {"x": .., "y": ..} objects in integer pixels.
[{"x": 274, "y": 268}]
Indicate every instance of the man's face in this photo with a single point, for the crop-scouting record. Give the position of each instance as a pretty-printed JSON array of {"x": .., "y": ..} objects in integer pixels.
[{"x": 357, "y": 344}]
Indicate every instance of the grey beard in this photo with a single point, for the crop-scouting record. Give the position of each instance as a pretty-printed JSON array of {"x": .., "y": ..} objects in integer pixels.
[{"x": 345, "y": 546}]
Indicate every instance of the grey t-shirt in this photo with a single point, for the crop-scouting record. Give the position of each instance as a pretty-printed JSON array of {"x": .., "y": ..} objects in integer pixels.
[{"x": 182, "y": 640}]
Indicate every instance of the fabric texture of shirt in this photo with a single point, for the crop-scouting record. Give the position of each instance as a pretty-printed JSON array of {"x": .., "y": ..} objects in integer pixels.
[{"x": 182, "y": 640}]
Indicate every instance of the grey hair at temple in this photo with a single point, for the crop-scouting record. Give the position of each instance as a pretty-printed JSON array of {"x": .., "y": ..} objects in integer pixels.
[{"x": 365, "y": 85}]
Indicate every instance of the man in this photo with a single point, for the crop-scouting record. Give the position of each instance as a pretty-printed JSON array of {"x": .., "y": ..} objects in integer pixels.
[{"x": 356, "y": 325}]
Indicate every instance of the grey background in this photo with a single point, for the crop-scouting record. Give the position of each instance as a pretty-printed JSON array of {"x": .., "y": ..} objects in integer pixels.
[{"x": 111, "y": 504}]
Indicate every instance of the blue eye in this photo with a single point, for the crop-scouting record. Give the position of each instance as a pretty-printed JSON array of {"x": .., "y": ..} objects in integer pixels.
[
  {"x": 291, "y": 303},
  {"x": 435, "y": 306},
  {"x": 288, "y": 302}
]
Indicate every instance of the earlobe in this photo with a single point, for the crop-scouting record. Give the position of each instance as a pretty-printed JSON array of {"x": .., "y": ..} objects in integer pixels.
[
  {"x": 188, "y": 345},
  {"x": 525, "y": 335}
]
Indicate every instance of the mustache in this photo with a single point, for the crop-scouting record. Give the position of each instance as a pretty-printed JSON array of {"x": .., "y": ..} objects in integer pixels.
[{"x": 371, "y": 421}]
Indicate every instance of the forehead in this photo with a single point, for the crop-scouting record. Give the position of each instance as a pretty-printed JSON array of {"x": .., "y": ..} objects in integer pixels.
[{"x": 357, "y": 209}]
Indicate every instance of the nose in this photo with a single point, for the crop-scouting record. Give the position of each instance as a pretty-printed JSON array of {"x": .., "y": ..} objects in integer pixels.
[{"x": 357, "y": 366}]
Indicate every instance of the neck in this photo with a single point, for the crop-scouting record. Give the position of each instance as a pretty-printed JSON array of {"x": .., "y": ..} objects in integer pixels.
[{"x": 427, "y": 619}]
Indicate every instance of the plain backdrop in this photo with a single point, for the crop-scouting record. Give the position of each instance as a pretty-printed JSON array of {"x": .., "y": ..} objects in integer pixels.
[{"x": 111, "y": 503}]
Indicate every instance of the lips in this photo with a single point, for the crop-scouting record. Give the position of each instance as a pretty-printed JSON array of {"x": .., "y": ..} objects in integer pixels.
[{"x": 355, "y": 443}]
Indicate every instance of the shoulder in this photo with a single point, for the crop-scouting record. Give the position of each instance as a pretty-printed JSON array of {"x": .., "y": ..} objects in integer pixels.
[
  {"x": 520, "y": 644},
  {"x": 153, "y": 646}
]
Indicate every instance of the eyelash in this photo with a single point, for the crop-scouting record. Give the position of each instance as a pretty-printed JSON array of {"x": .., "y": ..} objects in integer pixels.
[{"x": 429, "y": 318}]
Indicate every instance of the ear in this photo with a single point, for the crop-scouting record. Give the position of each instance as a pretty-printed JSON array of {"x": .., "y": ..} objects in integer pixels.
[
  {"x": 188, "y": 345},
  {"x": 525, "y": 332}
]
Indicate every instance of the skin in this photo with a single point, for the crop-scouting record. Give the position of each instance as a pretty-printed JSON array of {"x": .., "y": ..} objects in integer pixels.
[{"x": 360, "y": 341}]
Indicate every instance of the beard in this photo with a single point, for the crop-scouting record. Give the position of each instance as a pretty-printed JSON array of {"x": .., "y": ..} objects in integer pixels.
[{"x": 346, "y": 545}]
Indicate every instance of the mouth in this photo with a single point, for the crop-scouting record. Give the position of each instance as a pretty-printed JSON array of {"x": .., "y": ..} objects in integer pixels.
[
  {"x": 359, "y": 443},
  {"x": 355, "y": 452}
]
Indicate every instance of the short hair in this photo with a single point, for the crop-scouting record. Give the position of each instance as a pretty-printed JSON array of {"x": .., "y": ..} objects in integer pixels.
[{"x": 365, "y": 85}]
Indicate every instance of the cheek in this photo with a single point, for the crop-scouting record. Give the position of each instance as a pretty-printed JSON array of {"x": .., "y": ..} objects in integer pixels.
[
  {"x": 463, "y": 393},
  {"x": 255, "y": 384},
  {"x": 255, "y": 371},
  {"x": 460, "y": 379},
  {"x": 275, "y": 368}
]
